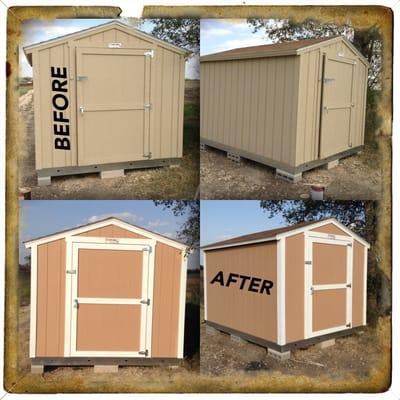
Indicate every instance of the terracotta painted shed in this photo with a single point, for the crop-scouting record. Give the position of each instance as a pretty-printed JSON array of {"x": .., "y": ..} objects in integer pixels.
[
  {"x": 106, "y": 98},
  {"x": 107, "y": 293},
  {"x": 287, "y": 287},
  {"x": 292, "y": 106}
]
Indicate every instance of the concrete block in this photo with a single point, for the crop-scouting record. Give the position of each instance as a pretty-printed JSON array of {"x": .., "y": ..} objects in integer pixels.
[
  {"x": 237, "y": 339},
  {"x": 233, "y": 157},
  {"x": 115, "y": 173},
  {"x": 44, "y": 180},
  {"x": 203, "y": 147},
  {"x": 37, "y": 369},
  {"x": 287, "y": 176},
  {"x": 281, "y": 356},
  {"x": 332, "y": 164},
  {"x": 105, "y": 369},
  {"x": 326, "y": 343},
  {"x": 211, "y": 329}
]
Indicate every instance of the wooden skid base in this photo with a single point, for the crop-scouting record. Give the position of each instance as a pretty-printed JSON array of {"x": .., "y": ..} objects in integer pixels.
[
  {"x": 285, "y": 171},
  {"x": 45, "y": 175},
  {"x": 233, "y": 157},
  {"x": 100, "y": 364},
  {"x": 302, "y": 344}
]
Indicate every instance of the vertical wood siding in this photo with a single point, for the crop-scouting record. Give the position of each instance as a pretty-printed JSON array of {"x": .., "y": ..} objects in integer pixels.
[
  {"x": 50, "y": 299},
  {"x": 167, "y": 96},
  {"x": 251, "y": 105},
  {"x": 244, "y": 311},
  {"x": 112, "y": 231},
  {"x": 166, "y": 301}
]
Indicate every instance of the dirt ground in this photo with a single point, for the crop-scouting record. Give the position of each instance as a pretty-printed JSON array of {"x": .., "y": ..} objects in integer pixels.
[
  {"x": 154, "y": 183},
  {"x": 128, "y": 379},
  {"x": 357, "y": 177}
]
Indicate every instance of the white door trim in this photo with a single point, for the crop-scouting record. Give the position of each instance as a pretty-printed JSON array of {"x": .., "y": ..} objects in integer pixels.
[
  {"x": 182, "y": 305},
  {"x": 74, "y": 244},
  {"x": 33, "y": 305},
  {"x": 205, "y": 284},
  {"x": 309, "y": 240},
  {"x": 280, "y": 287}
]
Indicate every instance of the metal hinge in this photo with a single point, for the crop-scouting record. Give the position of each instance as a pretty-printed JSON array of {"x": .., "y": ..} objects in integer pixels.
[
  {"x": 147, "y": 302},
  {"x": 350, "y": 244},
  {"x": 149, "y": 53},
  {"x": 81, "y": 78},
  {"x": 148, "y": 248},
  {"x": 76, "y": 304},
  {"x": 348, "y": 285},
  {"x": 308, "y": 263},
  {"x": 328, "y": 80},
  {"x": 312, "y": 290},
  {"x": 148, "y": 155},
  {"x": 348, "y": 325},
  {"x": 145, "y": 352},
  {"x": 71, "y": 271},
  {"x": 147, "y": 106}
]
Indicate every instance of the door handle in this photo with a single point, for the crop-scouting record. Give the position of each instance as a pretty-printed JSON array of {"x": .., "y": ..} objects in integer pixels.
[{"x": 81, "y": 110}]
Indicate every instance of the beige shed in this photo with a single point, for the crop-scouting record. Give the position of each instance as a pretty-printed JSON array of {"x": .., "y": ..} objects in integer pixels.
[
  {"x": 288, "y": 287},
  {"x": 106, "y": 98},
  {"x": 292, "y": 106},
  {"x": 106, "y": 293}
]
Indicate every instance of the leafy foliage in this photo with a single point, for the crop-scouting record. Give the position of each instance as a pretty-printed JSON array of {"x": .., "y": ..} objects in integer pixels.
[
  {"x": 182, "y": 32},
  {"x": 190, "y": 230}
]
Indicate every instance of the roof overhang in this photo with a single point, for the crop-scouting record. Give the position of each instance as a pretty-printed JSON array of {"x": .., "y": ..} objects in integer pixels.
[
  {"x": 293, "y": 232},
  {"x": 100, "y": 28},
  {"x": 101, "y": 224}
]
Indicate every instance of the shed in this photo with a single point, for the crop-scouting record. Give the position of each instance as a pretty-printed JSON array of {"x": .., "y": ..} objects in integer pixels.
[
  {"x": 106, "y": 293},
  {"x": 292, "y": 106},
  {"x": 106, "y": 98},
  {"x": 287, "y": 287}
]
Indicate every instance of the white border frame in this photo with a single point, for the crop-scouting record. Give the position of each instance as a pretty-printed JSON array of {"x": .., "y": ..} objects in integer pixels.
[
  {"x": 33, "y": 306},
  {"x": 74, "y": 244},
  {"x": 182, "y": 306},
  {"x": 309, "y": 239},
  {"x": 205, "y": 284},
  {"x": 280, "y": 291}
]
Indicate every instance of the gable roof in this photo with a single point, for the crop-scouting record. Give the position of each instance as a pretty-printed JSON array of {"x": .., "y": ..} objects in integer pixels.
[
  {"x": 100, "y": 28},
  {"x": 278, "y": 233},
  {"x": 295, "y": 47},
  {"x": 99, "y": 224}
]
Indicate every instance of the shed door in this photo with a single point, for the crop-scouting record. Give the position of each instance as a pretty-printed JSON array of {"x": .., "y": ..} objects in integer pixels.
[
  {"x": 337, "y": 106},
  {"x": 329, "y": 292},
  {"x": 110, "y": 300},
  {"x": 113, "y": 101}
]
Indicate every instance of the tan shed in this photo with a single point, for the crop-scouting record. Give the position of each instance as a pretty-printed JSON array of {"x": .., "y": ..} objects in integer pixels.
[
  {"x": 287, "y": 287},
  {"x": 292, "y": 106},
  {"x": 106, "y": 293},
  {"x": 106, "y": 98}
]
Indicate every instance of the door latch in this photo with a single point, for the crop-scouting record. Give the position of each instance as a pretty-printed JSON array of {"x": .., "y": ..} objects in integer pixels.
[
  {"x": 76, "y": 304},
  {"x": 348, "y": 285},
  {"x": 312, "y": 290},
  {"x": 147, "y": 302},
  {"x": 81, "y": 78},
  {"x": 144, "y": 353},
  {"x": 329, "y": 80},
  {"x": 71, "y": 271},
  {"x": 308, "y": 263},
  {"x": 81, "y": 110},
  {"x": 147, "y": 106}
]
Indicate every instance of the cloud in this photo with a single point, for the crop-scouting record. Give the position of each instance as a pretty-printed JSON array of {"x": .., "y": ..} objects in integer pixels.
[
  {"x": 157, "y": 223},
  {"x": 236, "y": 43},
  {"x": 216, "y": 32},
  {"x": 126, "y": 216}
]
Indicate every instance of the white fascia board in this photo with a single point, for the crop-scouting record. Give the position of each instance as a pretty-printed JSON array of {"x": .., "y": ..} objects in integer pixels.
[
  {"x": 100, "y": 224},
  {"x": 317, "y": 224},
  {"x": 206, "y": 248}
]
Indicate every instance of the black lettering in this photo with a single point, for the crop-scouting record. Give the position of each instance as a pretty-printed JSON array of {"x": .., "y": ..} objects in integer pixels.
[
  {"x": 57, "y": 72},
  {"x": 218, "y": 278},
  {"x": 231, "y": 279},
  {"x": 58, "y": 86},
  {"x": 58, "y": 116},
  {"x": 61, "y": 130},
  {"x": 266, "y": 285},
  {"x": 254, "y": 284},
  {"x": 64, "y": 100},
  {"x": 62, "y": 144},
  {"x": 244, "y": 278}
]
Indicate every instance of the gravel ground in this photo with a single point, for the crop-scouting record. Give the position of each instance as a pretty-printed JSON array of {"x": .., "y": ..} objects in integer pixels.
[{"x": 355, "y": 178}]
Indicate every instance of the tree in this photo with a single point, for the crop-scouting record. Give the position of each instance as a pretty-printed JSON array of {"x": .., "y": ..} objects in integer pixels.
[
  {"x": 360, "y": 217},
  {"x": 182, "y": 32},
  {"x": 189, "y": 232}
]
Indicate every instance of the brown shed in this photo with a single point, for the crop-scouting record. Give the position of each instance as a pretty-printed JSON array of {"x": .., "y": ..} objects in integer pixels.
[
  {"x": 292, "y": 106},
  {"x": 289, "y": 286},
  {"x": 107, "y": 292},
  {"x": 106, "y": 98}
]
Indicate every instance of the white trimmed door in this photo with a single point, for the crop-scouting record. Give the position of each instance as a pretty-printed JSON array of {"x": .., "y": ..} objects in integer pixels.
[
  {"x": 328, "y": 284},
  {"x": 111, "y": 298}
]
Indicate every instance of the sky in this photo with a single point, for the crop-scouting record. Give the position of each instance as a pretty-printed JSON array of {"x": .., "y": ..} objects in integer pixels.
[
  {"x": 35, "y": 31},
  {"x": 225, "y": 34},
  {"x": 221, "y": 220},
  {"x": 39, "y": 218}
]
